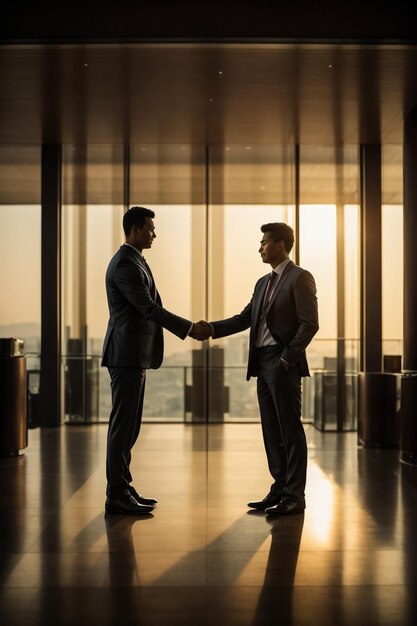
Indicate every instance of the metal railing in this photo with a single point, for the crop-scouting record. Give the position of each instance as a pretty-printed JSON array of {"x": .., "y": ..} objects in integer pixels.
[
  {"x": 185, "y": 393},
  {"x": 191, "y": 394}
]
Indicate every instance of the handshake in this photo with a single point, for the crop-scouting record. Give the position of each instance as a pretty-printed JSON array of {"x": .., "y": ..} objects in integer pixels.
[{"x": 201, "y": 331}]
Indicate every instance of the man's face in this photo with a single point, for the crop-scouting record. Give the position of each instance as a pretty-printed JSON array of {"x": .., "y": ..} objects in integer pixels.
[
  {"x": 146, "y": 234},
  {"x": 271, "y": 251}
]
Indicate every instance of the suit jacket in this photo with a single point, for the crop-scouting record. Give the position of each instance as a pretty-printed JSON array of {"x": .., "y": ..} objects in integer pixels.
[
  {"x": 292, "y": 317},
  {"x": 134, "y": 334}
]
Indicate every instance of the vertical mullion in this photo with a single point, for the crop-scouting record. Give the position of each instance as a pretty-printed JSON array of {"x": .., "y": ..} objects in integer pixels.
[{"x": 50, "y": 379}]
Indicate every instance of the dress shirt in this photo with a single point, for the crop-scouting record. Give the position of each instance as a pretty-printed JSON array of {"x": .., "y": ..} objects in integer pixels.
[{"x": 264, "y": 337}]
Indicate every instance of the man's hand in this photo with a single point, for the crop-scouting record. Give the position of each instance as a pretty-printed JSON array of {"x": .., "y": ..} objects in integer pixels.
[{"x": 201, "y": 331}]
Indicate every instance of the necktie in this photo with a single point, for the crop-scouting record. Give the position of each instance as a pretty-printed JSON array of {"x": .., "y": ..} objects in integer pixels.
[{"x": 272, "y": 279}]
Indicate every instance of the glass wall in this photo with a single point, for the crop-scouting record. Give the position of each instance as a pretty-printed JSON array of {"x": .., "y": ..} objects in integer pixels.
[
  {"x": 171, "y": 180},
  {"x": 209, "y": 205},
  {"x": 171, "y": 263},
  {"x": 93, "y": 194},
  {"x": 20, "y": 250},
  {"x": 20, "y": 278},
  {"x": 20, "y": 259},
  {"x": 392, "y": 256},
  {"x": 329, "y": 248},
  {"x": 92, "y": 233},
  {"x": 249, "y": 186}
]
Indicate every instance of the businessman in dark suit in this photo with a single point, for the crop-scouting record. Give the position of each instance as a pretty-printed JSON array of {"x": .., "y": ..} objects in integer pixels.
[
  {"x": 283, "y": 319},
  {"x": 133, "y": 344}
]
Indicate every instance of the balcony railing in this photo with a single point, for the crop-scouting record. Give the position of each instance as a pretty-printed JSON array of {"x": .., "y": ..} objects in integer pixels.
[
  {"x": 190, "y": 394},
  {"x": 185, "y": 393}
]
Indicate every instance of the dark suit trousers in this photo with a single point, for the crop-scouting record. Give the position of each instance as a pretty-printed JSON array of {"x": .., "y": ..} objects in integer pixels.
[
  {"x": 279, "y": 397},
  {"x": 127, "y": 389}
]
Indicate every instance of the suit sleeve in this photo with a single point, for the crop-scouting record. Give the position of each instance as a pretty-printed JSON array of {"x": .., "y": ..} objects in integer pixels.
[
  {"x": 307, "y": 316},
  {"x": 130, "y": 280},
  {"x": 233, "y": 325}
]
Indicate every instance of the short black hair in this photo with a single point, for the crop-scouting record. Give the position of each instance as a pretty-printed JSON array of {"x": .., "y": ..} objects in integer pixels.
[
  {"x": 280, "y": 231},
  {"x": 136, "y": 216}
]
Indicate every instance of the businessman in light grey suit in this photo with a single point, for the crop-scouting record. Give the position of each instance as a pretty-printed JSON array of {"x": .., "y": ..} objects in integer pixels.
[
  {"x": 283, "y": 318},
  {"x": 133, "y": 344}
]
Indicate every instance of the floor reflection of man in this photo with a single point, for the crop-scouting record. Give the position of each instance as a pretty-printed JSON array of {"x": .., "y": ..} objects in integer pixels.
[
  {"x": 276, "y": 597},
  {"x": 123, "y": 580}
]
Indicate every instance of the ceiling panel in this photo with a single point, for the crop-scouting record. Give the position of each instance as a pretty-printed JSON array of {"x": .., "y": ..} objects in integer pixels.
[
  {"x": 195, "y": 95},
  {"x": 208, "y": 93}
]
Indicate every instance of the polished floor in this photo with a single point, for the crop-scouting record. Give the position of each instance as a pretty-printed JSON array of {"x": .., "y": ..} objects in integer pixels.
[{"x": 203, "y": 558}]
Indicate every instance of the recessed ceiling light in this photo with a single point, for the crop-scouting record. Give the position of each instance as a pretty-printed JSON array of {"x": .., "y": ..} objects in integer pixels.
[
  {"x": 210, "y": 99},
  {"x": 227, "y": 148},
  {"x": 220, "y": 72},
  {"x": 248, "y": 147},
  {"x": 85, "y": 64},
  {"x": 330, "y": 67},
  {"x": 262, "y": 187}
]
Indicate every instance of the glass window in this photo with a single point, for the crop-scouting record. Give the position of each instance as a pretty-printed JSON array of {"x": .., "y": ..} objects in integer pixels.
[
  {"x": 165, "y": 179},
  {"x": 392, "y": 250},
  {"x": 20, "y": 279},
  {"x": 329, "y": 248},
  {"x": 92, "y": 215},
  {"x": 206, "y": 262},
  {"x": 20, "y": 250},
  {"x": 249, "y": 186},
  {"x": 170, "y": 180}
]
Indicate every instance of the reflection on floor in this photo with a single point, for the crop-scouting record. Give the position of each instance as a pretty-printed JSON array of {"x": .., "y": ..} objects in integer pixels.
[{"x": 203, "y": 558}]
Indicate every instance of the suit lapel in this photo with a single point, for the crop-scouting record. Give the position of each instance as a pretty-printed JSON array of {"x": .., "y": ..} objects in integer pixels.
[
  {"x": 280, "y": 285},
  {"x": 138, "y": 258},
  {"x": 258, "y": 298},
  {"x": 260, "y": 292},
  {"x": 282, "y": 281},
  {"x": 148, "y": 273}
]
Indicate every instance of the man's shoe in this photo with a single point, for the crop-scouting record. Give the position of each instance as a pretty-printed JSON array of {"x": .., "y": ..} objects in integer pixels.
[
  {"x": 127, "y": 505},
  {"x": 270, "y": 500},
  {"x": 139, "y": 498},
  {"x": 286, "y": 506}
]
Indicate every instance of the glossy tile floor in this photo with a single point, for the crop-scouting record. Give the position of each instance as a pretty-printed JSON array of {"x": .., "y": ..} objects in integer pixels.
[{"x": 202, "y": 558}]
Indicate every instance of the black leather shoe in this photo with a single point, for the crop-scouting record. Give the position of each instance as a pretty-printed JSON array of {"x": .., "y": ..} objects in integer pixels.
[
  {"x": 270, "y": 500},
  {"x": 139, "y": 498},
  {"x": 127, "y": 505},
  {"x": 286, "y": 506}
]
